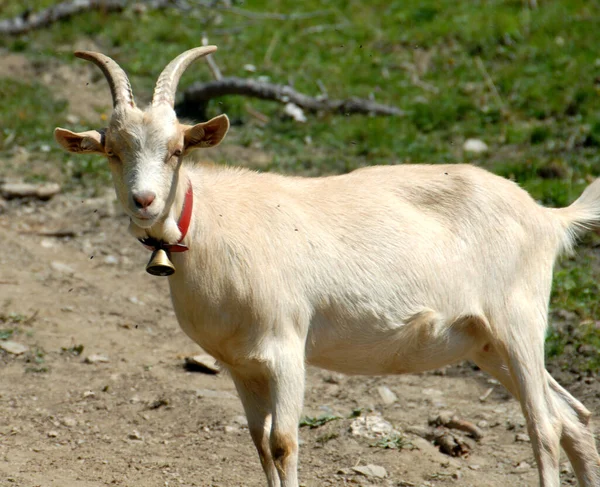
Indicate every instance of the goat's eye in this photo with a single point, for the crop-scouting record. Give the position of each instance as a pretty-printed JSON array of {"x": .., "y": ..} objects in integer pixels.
[{"x": 177, "y": 153}]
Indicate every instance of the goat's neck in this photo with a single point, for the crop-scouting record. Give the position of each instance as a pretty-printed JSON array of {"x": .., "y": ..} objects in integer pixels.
[{"x": 166, "y": 228}]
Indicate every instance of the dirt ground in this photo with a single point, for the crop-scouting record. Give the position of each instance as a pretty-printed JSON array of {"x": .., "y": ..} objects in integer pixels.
[
  {"x": 141, "y": 419},
  {"x": 138, "y": 418}
]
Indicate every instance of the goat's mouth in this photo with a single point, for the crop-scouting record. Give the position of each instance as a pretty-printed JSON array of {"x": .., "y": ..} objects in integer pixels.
[{"x": 144, "y": 219}]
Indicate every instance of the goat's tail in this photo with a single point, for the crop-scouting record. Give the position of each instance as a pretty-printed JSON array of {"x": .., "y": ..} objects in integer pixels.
[{"x": 582, "y": 215}]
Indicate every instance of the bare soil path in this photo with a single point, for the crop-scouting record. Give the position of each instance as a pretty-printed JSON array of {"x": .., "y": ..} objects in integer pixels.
[{"x": 140, "y": 419}]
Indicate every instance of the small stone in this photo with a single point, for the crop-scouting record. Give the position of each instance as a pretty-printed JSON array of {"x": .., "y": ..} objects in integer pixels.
[
  {"x": 371, "y": 426},
  {"x": 522, "y": 438},
  {"x": 62, "y": 268},
  {"x": 69, "y": 422},
  {"x": 295, "y": 112},
  {"x": 52, "y": 434},
  {"x": 111, "y": 260},
  {"x": 333, "y": 378},
  {"x": 522, "y": 466},
  {"x": 231, "y": 429},
  {"x": 475, "y": 145},
  {"x": 387, "y": 396},
  {"x": 202, "y": 363},
  {"x": 87, "y": 394},
  {"x": 135, "y": 435},
  {"x": 96, "y": 359},
  {"x": 13, "y": 348},
  {"x": 376, "y": 471}
]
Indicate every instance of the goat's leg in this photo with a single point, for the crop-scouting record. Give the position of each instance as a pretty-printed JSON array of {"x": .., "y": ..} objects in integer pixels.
[
  {"x": 287, "y": 395},
  {"x": 577, "y": 438},
  {"x": 524, "y": 348},
  {"x": 256, "y": 399},
  {"x": 489, "y": 360}
]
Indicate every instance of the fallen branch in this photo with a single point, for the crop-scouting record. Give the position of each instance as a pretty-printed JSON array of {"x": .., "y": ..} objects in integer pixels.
[
  {"x": 35, "y": 20},
  {"x": 451, "y": 444},
  {"x": 29, "y": 20},
  {"x": 196, "y": 97},
  {"x": 454, "y": 422}
]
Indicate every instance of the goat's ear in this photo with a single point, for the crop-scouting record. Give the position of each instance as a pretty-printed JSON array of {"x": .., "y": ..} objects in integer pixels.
[
  {"x": 90, "y": 142},
  {"x": 206, "y": 134}
]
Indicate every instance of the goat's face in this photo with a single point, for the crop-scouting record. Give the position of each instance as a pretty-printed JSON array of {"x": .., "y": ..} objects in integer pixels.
[{"x": 145, "y": 148}]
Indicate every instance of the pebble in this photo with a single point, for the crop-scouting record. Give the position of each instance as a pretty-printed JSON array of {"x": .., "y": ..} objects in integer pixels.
[
  {"x": 523, "y": 466},
  {"x": 202, "y": 363},
  {"x": 522, "y": 438},
  {"x": 475, "y": 145},
  {"x": 62, "y": 268},
  {"x": 52, "y": 434},
  {"x": 111, "y": 260},
  {"x": 135, "y": 435},
  {"x": 69, "y": 422},
  {"x": 295, "y": 112},
  {"x": 96, "y": 359},
  {"x": 387, "y": 396},
  {"x": 13, "y": 348},
  {"x": 370, "y": 470},
  {"x": 371, "y": 426}
]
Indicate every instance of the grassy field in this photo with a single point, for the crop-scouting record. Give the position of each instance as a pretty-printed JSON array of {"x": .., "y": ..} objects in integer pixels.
[{"x": 526, "y": 81}]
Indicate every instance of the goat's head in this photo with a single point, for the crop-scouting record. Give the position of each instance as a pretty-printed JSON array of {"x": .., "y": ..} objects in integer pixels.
[{"x": 145, "y": 148}]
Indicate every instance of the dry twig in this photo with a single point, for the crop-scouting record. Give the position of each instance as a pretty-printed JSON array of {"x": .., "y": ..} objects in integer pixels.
[
  {"x": 197, "y": 96},
  {"x": 29, "y": 20},
  {"x": 454, "y": 422}
]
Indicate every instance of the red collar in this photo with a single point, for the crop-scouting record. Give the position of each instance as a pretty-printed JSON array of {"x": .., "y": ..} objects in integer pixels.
[{"x": 183, "y": 224}]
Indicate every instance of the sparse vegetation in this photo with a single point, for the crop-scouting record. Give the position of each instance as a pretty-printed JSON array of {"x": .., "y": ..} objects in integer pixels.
[
  {"x": 524, "y": 81},
  {"x": 315, "y": 422},
  {"x": 392, "y": 442}
]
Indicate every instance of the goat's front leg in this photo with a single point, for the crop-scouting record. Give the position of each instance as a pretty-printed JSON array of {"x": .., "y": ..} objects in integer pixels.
[
  {"x": 256, "y": 399},
  {"x": 287, "y": 396}
]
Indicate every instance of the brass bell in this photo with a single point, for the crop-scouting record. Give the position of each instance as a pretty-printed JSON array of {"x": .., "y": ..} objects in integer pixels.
[{"x": 160, "y": 264}]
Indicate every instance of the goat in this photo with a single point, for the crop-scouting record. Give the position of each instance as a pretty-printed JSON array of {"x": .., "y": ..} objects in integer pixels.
[{"x": 385, "y": 270}]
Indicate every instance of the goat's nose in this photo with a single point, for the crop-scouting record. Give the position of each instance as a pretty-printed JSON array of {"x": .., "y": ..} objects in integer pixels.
[{"x": 143, "y": 199}]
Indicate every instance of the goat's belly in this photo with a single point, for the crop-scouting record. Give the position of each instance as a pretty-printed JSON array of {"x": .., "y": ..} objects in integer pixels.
[
  {"x": 352, "y": 346},
  {"x": 424, "y": 341}
]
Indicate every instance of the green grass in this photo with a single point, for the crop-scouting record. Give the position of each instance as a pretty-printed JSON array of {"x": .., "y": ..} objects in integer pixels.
[{"x": 527, "y": 82}]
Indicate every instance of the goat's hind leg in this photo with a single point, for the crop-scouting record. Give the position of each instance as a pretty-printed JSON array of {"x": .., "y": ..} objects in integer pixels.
[
  {"x": 577, "y": 438},
  {"x": 522, "y": 345}
]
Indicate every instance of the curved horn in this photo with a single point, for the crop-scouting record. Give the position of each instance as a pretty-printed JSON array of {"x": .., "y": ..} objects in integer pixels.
[
  {"x": 118, "y": 81},
  {"x": 164, "y": 92}
]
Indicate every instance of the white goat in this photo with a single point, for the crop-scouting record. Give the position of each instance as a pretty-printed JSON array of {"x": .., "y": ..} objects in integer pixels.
[{"x": 385, "y": 270}]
